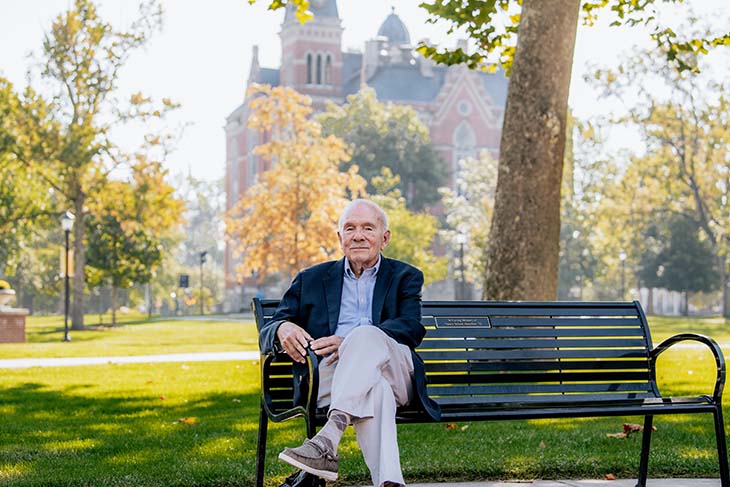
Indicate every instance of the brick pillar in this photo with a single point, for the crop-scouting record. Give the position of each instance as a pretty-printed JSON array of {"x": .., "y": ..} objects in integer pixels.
[{"x": 12, "y": 325}]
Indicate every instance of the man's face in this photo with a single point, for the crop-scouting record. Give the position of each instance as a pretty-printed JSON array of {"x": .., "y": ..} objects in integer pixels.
[{"x": 363, "y": 236}]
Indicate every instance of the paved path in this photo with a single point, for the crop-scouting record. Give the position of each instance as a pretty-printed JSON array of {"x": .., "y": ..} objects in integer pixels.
[{"x": 19, "y": 363}]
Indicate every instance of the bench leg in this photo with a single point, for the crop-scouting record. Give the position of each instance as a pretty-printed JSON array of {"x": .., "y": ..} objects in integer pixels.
[
  {"x": 645, "y": 446},
  {"x": 261, "y": 447},
  {"x": 721, "y": 447}
]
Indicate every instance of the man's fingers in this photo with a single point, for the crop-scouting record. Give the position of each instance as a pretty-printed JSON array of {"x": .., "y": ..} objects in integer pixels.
[{"x": 333, "y": 358}]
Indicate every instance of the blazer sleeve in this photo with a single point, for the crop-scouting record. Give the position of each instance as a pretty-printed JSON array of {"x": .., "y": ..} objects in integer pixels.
[
  {"x": 405, "y": 325},
  {"x": 288, "y": 310}
]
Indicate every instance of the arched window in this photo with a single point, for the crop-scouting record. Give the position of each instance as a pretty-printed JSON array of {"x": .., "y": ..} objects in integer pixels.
[
  {"x": 319, "y": 69},
  {"x": 464, "y": 141},
  {"x": 464, "y": 145},
  {"x": 309, "y": 69},
  {"x": 328, "y": 70}
]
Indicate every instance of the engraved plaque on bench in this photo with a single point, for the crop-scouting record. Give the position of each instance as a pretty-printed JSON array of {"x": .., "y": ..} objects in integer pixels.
[{"x": 460, "y": 321}]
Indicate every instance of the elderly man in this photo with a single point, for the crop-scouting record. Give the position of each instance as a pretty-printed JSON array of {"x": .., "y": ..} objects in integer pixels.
[{"x": 362, "y": 316}]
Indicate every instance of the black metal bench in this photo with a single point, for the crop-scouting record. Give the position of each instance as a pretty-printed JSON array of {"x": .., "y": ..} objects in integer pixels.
[{"x": 521, "y": 360}]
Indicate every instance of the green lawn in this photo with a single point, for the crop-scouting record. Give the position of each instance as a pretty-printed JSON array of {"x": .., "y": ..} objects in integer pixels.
[
  {"x": 121, "y": 425},
  {"x": 135, "y": 335}
]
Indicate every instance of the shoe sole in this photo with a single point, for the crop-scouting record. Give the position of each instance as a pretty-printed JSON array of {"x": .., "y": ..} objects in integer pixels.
[{"x": 325, "y": 474}]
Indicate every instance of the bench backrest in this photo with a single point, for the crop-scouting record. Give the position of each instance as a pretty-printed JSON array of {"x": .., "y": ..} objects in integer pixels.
[
  {"x": 482, "y": 354},
  {"x": 527, "y": 354}
]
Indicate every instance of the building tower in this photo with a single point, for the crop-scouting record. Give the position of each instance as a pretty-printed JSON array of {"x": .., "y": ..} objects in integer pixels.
[{"x": 311, "y": 53}]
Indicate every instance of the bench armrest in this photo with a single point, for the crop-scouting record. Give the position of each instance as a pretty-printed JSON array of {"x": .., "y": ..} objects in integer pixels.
[
  {"x": 274, "y": 413},
  {"x": 711, "y": 344}
]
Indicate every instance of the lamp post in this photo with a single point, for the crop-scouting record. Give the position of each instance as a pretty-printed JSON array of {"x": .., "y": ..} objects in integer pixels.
[
  {"x": 461, "y": 292},
  {"x": 202, "y": 261},
  {"x": 622, "y": 258},
  {"x": 67, "y": 224}
]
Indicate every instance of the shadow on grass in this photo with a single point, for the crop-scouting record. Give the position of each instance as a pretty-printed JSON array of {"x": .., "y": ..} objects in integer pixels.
[
  {"x": 68, "y": 438},
  {"x": 49, "y": 437}
]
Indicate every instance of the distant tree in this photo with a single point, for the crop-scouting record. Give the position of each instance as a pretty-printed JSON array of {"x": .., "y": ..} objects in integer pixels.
[
  {"x": 684, "y": 263},
  {"x": 388, "y": 135},
  {"x": 126, "y": 228},
  {"x": 288, "y": 220},
  {"x": 583, "y": 183},
  {"x": 119, "y": 256},
  {"x": 204, "y": 225},
  {"x": 67, "y": 142},
  {"x": 412, "y": 233},
  {"x": 469, "y": 209},
  {"x": 25, "y": 203},
  {"x": 683, "y": 121}
]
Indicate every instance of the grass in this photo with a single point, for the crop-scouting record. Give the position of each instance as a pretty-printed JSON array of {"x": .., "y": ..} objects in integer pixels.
[
  {"x": 135, "y": 335},
  {"x": 120, "y": 425}
]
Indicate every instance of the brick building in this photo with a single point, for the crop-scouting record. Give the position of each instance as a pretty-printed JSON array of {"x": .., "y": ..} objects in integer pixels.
[{"x": 463, "y": 109}]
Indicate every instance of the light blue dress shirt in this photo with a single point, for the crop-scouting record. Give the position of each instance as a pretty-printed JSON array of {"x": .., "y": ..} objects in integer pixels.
[{"x": 356, "y": 306}]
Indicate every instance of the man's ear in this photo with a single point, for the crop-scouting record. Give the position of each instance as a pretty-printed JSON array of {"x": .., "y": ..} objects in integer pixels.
[
  {"x": 339, "y": 237},
  {"x": 386, "y": 239}
]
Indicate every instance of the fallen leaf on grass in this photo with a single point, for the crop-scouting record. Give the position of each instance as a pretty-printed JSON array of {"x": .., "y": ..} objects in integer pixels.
[
  {"x": 450, "y": 426},
  {"x": 633, "y": 428},
  {"x": 610, "y": 476},
  {"x": 236, "y": 400},
  {"x": 628, "y": 429},
  {"x": 542, "y": 444},
  {"x": 150, "y": 382},
  {"x": 162, "y": 398},
  {"x": 191, "y": 421}
]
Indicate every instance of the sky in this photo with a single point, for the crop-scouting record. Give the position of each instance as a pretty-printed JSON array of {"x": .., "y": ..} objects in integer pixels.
[{"x": 202, "y": 56}]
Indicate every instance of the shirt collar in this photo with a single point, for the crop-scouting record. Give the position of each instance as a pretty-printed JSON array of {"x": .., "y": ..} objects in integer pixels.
[{"x": 373, "y": 271}]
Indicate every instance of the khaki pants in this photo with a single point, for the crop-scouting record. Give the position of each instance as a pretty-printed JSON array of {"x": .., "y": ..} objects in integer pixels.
[{"x": 372, "y": 377}]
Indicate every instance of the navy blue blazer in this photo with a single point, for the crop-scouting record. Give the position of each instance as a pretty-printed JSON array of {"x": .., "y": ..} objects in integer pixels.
[{"x": 313, "y": 302}]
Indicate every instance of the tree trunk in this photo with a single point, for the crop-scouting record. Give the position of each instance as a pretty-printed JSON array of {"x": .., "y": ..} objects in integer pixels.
[
  {"x": 685, "y": 311},
  {"x": 77, "y": 315},
  {"x": 114, "y": 305},
  {"x": 650, "y": 302},
  {"x": 525, "y": 233},
  {"x": 725, "y": 288}
]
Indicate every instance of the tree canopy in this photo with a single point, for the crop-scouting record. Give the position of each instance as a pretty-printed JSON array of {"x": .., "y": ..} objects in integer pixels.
[
  {"x": 66, "y": 142},
  {"x": 412, "y": 234},
  {"x": 388, "y": 135},
  {"x": 288, "y": 220}
]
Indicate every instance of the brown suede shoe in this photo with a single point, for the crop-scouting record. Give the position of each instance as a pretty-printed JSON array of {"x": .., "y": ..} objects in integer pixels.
[{"x": 314, "y": 456}]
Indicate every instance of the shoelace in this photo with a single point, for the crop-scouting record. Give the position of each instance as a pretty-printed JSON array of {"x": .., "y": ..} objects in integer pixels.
[{"x": 322, "y": 449}]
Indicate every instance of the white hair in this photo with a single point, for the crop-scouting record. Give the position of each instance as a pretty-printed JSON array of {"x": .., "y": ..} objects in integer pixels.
[{"x": 361, "y": 201}]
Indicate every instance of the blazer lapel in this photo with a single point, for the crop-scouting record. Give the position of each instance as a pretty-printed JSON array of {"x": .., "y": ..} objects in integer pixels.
[
  {"x": 333, "y": 293},
  {"x": 382, "y": 284}
]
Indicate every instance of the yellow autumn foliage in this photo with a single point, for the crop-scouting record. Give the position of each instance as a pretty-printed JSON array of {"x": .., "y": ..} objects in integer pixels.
[{"x": 288, "y": 220}]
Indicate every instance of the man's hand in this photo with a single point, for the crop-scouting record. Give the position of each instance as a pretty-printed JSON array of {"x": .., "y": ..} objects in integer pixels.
[
  {"x": 294, "y": 340},
  {"x": 327, "y": 345}
]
